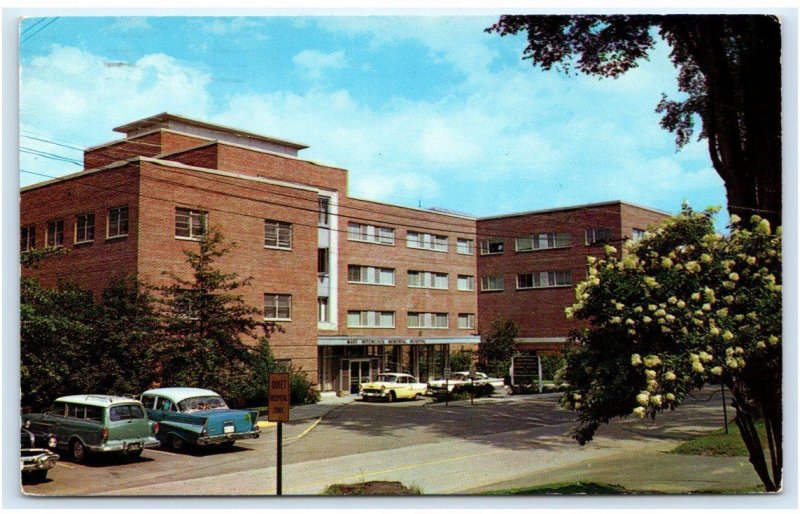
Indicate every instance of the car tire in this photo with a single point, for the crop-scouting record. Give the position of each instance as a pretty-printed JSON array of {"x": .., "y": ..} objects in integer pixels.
[
  {"x": 175, "y": 443},
  {"x": 390, "y": 397},
  {"x": 77, "y": 450},
  {"x": 418, "y": 396},
  {"x": 135, "y": 454}
]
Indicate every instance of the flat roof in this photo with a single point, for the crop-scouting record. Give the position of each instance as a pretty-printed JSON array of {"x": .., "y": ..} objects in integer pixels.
[
  {"x": 166, "y": 116},
  {"x": 573, "y": 208}
]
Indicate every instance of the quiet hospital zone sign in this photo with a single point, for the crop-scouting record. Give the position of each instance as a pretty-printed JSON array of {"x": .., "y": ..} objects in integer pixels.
[{"x": 278, "y": 404}]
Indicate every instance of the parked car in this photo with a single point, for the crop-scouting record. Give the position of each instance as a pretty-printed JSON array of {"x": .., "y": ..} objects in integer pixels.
[
  {"x": 393, "y": 386},
  {"x": 197, "y": 417},
  {"x": 461, "y": 378},
  {"x": 89, "y": 423},
  {"x": 37, "y": 455}
]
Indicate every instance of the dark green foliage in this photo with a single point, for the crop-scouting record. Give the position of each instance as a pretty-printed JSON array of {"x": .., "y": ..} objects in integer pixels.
[
  {"x": 552, "y": 364},
  {"x": 729, "y": 72},
  {"x": 301, "y": 390},
  {"x": 497, "y": 346},
  {"x": 461, "y": 360},
  {"x": 252, "y": 392},
  {"x": 33, "y": 257},
  {"x": 207, "y": 324}
]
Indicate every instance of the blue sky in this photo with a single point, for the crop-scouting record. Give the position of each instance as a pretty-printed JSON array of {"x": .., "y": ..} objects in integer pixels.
[{"x": 421, "y": 110}]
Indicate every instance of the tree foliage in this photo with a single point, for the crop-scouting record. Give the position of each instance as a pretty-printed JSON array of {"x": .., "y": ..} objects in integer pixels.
[
  {"x": 497, "y": 346},
  {"x": 729, "y": 69},
  {"x": 208, "y": 327},
  {"x": 683, "y": 306}
]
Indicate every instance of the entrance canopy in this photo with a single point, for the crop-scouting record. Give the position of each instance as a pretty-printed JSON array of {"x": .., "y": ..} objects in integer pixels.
[{"x": 404, "y": 341}]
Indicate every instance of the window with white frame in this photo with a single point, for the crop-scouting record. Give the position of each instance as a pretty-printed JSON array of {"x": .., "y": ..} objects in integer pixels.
[
  {"x": 544, "y": 279},
  {"x": 427, "y": 320},
  {"x": 465, "y": 246},
  {"x": 427, "y": 279},
  {"x": 55, "y": 233},
  {"x": 492, "y": 283},
  {"x": 466, "y": 283},
  {"x": 357, "y": 274},
  {"x": 323, "y": 313},
  {"x": 638, "y": 233},
  {"x": 598, "y": 235},
  {"x": 84, "y": 228},
  {"x": 190, "y": 223},
  {"x": 324, "y": 210},
  {"x": 491, "y": 246},
  {"x": 277, "y": 234},
  {"x": 277, "y": 307},
  {"x": 370, "y": 319},
  {"x": 27, "y": 238},
  {"x": 466, "y": 320},
  {"x": 425, "y": 241},
  {"x": 544, "y": 241},
  {"x": 117, "y": 222},
  {"x": 370, "y": 233}
]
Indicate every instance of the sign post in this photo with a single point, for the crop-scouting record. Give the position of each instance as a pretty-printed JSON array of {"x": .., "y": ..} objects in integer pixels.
[
  {"x": 446, "y": 386},
  {"x": 278, "y": 411},
  {"x": 472, "y": 385}
]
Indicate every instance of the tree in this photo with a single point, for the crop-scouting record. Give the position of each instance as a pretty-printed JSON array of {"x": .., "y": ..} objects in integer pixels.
[
  {"x": 207, "y": 325},
  {"x": 682, "y": 307},
  {"x": 728, "y": 66},
  {"x": 497, "y": 346}
]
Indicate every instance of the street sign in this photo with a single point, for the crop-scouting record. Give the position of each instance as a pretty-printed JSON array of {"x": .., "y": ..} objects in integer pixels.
[{"x": 278, "y": 405}]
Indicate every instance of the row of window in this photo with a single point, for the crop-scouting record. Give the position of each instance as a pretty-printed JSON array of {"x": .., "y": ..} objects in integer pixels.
[
  {"x": 421, "y": 240},
  {"x": 278, "y": 307},
  {"x": 373, "y": 275},
  {"x": 537, "y": 280},
  {"x": 548, "y": 240},
  {"x": 386, "y": 319},
  {"x": 116, "y": 226}
]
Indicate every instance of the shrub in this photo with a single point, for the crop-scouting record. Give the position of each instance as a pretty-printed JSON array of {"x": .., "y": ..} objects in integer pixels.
[{"x": 301, "y": 390}]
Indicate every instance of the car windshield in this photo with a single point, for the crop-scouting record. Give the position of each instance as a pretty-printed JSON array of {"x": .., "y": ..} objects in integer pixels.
[
  {"x": 197, "y": 403},
  {"x": 387, "y": 378}
]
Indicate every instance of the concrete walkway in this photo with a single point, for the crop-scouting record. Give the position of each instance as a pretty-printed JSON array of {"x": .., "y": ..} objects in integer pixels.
[{"x": 313, "y": 411}]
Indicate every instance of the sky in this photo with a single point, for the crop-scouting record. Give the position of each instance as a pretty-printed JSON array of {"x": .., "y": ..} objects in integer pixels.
[{"x": 426, "y": 111}]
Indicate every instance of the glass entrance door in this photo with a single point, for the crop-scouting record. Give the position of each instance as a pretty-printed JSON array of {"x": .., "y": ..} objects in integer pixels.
[{"x": 359, "y": 373}]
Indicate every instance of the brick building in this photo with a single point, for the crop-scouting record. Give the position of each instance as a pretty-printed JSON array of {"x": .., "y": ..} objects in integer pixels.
[{"x": 358, "y": 286}]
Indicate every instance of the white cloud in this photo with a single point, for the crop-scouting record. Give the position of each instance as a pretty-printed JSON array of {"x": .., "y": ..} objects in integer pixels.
[
  {"x": 228, "y": 26},
  {"x": 315, "y": 63}
]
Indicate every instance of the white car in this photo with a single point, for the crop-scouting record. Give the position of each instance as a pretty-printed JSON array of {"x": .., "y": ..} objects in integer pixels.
[{"x": 461, "y": 378}]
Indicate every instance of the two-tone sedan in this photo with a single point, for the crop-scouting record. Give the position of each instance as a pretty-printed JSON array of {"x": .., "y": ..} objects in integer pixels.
[
  {"x": 200, "y": 417},
  {"x": 393, "y": 386}
]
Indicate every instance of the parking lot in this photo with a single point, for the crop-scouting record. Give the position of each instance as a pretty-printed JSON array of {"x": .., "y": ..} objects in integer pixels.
[{"x": 418, "y": 443}]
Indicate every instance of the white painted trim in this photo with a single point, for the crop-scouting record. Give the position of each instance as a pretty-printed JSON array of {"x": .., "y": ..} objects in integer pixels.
[
  {"x": 418, "y": 209},
  {"x": 540, "y": 340},
  {"x": 333, "y": 271},
  {"x": 79, "y": 174}
]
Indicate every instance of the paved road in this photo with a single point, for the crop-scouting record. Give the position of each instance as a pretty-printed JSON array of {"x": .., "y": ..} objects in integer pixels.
[{"x": 443, "y": 450}]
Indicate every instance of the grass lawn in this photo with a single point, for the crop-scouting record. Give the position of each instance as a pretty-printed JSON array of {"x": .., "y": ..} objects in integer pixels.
[{"x": 720, "y": 444}]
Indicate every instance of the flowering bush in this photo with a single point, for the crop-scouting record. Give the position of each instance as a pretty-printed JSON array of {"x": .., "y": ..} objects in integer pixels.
[{"x": 682, "y": 306}]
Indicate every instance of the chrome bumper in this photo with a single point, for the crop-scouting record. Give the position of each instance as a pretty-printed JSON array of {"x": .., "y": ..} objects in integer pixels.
[
  {"x": 217, "y": 439},
  {"x": 125, "y": 446},
  {"x": 43, "y": 459}
]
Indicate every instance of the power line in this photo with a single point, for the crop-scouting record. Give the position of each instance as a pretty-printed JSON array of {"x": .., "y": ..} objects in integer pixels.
[
  {"x": 30, "y": 27},
  {"x": 30, "y": 35}
]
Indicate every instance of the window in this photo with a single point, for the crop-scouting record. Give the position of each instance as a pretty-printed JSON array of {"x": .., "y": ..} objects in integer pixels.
[
  {"x": 322, "y": 310},
  {"x": 492, "y": 283},
  {"x": 544, "y": 241},
  {"x": 117, "y": 222},
  {"x": 425, "y": 241},
  {"x": 370, "y": 319},
  {"x": 370, "y": 275},
  {"x": 84, "y": 228},
  {"x": 465, "y": 246},
  {"x": 277, "y": 306},
  {"x": 427, "y": 320},
  {"x": 322, "y": 260},
  {"x": 277, "y": 234},
  {"x": 55, "y": 233},
  {"x": 324, "y": 210},
  {"x": 427, "y": 279},
  {"x": 466, "y": 283},
  {"x": 491, "y": 246},
  {"x": 190, "y": 223},
  {"x": 125, "y": 412},
  {"x": 466, "y": 321},
  {"x": 370, "y": 234},
  {"x": 638, "y": 233},
  {"x": 27, "y": 238},
  {"x": 544, "y": 279},
  {"x": 598, "y": 235}
]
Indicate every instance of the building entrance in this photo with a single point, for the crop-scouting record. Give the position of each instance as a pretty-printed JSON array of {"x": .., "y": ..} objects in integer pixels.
[{"x": 359, "y": 373}]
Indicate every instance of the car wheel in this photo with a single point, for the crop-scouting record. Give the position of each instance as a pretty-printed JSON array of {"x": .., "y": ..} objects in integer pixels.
[
  {"x": 176, "y": 443},
  {"x": 390, "y": 397},
  {"x": 418, "y": 396},
  {"x": 77, "y": 450},
  {"x": 135, "y": 454}
]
